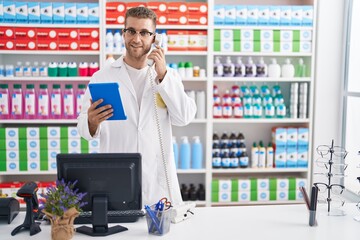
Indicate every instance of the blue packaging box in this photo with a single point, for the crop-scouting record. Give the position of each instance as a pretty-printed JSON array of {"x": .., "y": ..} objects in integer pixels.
[
  {"x": 302, "y": 157},
  {"x": 252, "y": 15},
  {"x": 219, "y": 14},
  {"x": 21, "y": 12},
  {"x": 93, "y": 14},
  {"x": 308, "y": 15},
  {"x": 230, "y": 14},
  {"x": 9, "y": 12},
  {"x": 285, "y": 15},
  {"x": 263, "y": 15},
  {"x": 58, "y": 13},
  {"x": 82, "y": 12},
  {"x": 70, "y": 13},
  {"x": 46, "y": 12},
  {"x": 1, "y": 11},
  {"x": 241, "y": 14},
  {"x": 34, "y": 12},
  {"x": 274, "y": 15},
  {"x": 291, "y": 157},
  {"x": 296, "y": 15}
]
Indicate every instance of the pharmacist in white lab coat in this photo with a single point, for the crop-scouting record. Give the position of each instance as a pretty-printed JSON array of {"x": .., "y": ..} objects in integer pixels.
[{"x": 139, "y": 132}]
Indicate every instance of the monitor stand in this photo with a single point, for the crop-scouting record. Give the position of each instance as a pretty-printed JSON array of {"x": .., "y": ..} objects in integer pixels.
[{"x": 100, "y": 220}]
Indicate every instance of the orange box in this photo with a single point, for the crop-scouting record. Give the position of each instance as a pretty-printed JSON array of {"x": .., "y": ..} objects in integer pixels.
[
  {"x": 25, "y": 44},
  {"x": 46, "y": 33},
  {"x": 197, "y": 40},
  {"x": 177, "y": 7},
  {"x": 196, "y": 19},
  {"x": 7, "y": 44},
  {"x": 88, "y": 33},
  {"x": 67, "y": 33},
  {"x": 28, "y": 33},
  {"x": 118, "y": 7},
  {"x": 158, "y": 7},
  {"x": 135, "y": 4},
  {"x": 177, "y": 40},
  {"x": 177, "y": 19},
  {"x": 7, "y": 33},
  {"x": 162, "y": 18},
  {"x": 47, "y": 44},
  {"x": 197, "y": 8},
  {"x": 115, "y": 18},
  {"x": 68, "y": 45},
  {"x": 88, "y": 45}
]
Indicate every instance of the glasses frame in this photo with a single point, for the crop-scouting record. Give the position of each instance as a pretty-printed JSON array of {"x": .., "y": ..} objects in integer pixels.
[
  {"x": 330, "y": 187},
  {"x": 337, "y": 151},
  {"x": 143, "y": 34},
  {"x": 330, "y": 200},
  {"x": 338, "y": 166}
]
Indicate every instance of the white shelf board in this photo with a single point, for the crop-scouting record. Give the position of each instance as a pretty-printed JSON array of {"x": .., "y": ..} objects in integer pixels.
[
  {"x": 166, "y": 27},
  {"x": 54, "y": 52},
  {"x": 195, "y": 79},
  {"x": 39, "y": 25},
  {"x": 170, "y": 53},
  {"x": 258, "y": 170},
  {"x": 263, "y": 27},
  {"x": 260, "y": 79},
  {"x": 264, "y": 54},
  {"x": 38, "y": 121},
  {"x": 261, "y": 120},
  {"x": 36, "y": 79},
  {"x": 29, "y": 173},
  {"x": 256, "y": 203},
  {"x": 190, "y": 171}
]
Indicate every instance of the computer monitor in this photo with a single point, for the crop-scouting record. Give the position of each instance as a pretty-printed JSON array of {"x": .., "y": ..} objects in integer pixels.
[{"x": 112, "y": 182}]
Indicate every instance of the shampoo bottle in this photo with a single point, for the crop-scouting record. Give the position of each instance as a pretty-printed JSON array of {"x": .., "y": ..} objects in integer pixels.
[
  {"x": 261, "y": 68},
  {"x": 300, "y": 69},
  {"x": 17, "y": 102},
  {"x": 287, "y": 70},
  {"x": 239, "y": 68},
  {"x": 254, "y": 156},
  {"x": 196, "y": 153},
  {"x": 185, "y": 153},
  {"x": 262, "y": 155},
  {"x": 218, "y": 68},
  {"x": 269, "y": 156},
  {"x": 250, "y": 68},
  {"x": 229, "y": 68},
  {"x": 274, "y": 70}
]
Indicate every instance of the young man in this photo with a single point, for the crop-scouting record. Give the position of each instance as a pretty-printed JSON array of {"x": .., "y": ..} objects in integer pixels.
[{"x": 139, "y": 132}]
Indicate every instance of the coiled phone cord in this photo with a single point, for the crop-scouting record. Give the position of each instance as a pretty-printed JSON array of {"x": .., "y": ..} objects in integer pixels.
[{"x": 151, "y": 75}]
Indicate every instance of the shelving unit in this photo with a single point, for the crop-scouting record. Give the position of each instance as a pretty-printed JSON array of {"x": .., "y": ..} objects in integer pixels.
[{"x": 253, "y": 129}]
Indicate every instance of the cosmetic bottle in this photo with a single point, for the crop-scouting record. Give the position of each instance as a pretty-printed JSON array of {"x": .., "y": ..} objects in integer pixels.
[
  {"x": 300, "y": 69},
  {"x": 218, "y": 68},
  {"x": 274, "y": 70},
  {"x": 229, "y": 68},
  {"x": 250, "y": 68},
  {"x": 261, "y": 68},
  {"x": 287, "y": 70},
  {"x": 239, "y": 68}
]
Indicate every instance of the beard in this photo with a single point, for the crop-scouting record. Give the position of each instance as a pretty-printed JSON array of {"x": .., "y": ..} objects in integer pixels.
[{"x": 137, "y": 53}]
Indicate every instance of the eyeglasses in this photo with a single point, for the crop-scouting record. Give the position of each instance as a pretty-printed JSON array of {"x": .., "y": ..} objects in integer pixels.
[
  {"x": 130, "y": 32},
  {"x": 335, "y": 175},
  {"x": 335, "y": 188},
  {"x": 337, "y": 151},
  {"x": 325, "y": 163},
  {"x": 335, "y": 202}
]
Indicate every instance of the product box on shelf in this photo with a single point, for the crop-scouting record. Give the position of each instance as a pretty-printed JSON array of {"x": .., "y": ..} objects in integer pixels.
[
  {"x": 70, "y": 13},
  {"x": 7, "y": 33},
  {"x": 308, "y": 15},
  {"x": 263, "y": 15},
  {"x": 115, "y": 7},
  {"x": 25, "y": 44},
  {"x": 252, "y": 15},
  {"x": 58, "y": 13},
  {"x": 280, "y": 157},
  {"x": 302, "y": 155},
  {"x": 177, "y": 40},
  {"x": 291, "y": 137},
  {"x": 7, "y": 44},
  {"x": 161, "y": 18},
  {"x": 21, "y": 12},
  {"x": 1, "y": 11},
  {"x": 33, "y": 132},
  {"x": 33, "y": 144},
  {"x": 135, "y": 4},
  {"x": 9, "y": 11},
  {"x": 88, "y": 34},
  {"x": 241, "y": 14},
  {"x": 68, "y": 45},
  {"x": 230, "y": 15},
  {"x": 291, "y": 157},
  {"x": 196, "y": 8},
  {"x": 296, "y": 15},
  {"x": 33, "y": 12},
  {"x": 25, "y": 33},
  {"x": 197, "y": 40},
  {"x": 46, "y": 34},
  {"x": 88, "y": 45},
  {"x": 194, "y": 19},
  {"x": 219, "y": 14},
  {"x": 93, "y": 15},
  {"x": 158, "y": 7},
  {"x": 46, "y": 12},
  {"x": 177, "y": 19},
  {"x": 274, "y": 15},
  {"x": 285, "y": 15},
  {"x": 114, "y": 18},
  {"x": 46, "y": 45},
  {"x": 67, "y": 34},
  {"x": 82, "y": 13},
  {"x": 177, "y": 7}
]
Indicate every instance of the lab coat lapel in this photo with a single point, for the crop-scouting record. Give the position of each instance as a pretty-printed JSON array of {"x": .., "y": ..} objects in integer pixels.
[{"x": 123, "y": 75}]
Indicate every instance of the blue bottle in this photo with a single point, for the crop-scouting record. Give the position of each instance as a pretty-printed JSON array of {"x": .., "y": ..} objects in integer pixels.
[
  {"x": 185, "y": 153},
  {"x": 176, "y": 152},
  {"x": 196, "y": 153}
]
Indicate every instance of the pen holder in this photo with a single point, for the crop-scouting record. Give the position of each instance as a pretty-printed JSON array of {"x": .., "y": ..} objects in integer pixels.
[{"x": 158, "y": 222}]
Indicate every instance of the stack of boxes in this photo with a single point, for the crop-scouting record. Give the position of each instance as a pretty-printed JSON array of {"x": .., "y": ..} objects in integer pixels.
[
  {"x": 253, "y": 189},
  {"x": 291, "y": 147},
  {"x": 254, "y": 40},
  {"x": 34, "y": 149},
  {"x": 187, "y": 40},
  {"x": 171, "y": 13},
  {"x": 49, "y": 13}
]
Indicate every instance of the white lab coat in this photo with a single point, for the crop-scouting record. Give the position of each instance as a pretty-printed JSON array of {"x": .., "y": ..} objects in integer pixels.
[{"x": 139, "y": 133}]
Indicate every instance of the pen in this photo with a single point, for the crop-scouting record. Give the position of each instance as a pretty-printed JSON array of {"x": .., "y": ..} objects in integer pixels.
[{"x": 313, "y": 204}]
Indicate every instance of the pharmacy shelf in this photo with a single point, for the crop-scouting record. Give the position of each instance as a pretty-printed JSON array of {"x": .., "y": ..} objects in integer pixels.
[
  {"x": 265, "y": 54},
  {"x": 190, "y": 171},
  {"x": 259, "y": 170},
  {"x": 54, "y": 52},
  {"x": 233, "y": 27},
  {"x": 260, "y": 79},
  {"x": 218, "y": 204},
  {"x": 30, "y": 25},
  {"x": 195, "y": 79},
  {"x": 170, "y": 53},
  {"x": 260, "y": 120},
  {"x": 36, "y": 79},
  {"x": 38, "y": 121},
  {"x": 167, "y": 27}
]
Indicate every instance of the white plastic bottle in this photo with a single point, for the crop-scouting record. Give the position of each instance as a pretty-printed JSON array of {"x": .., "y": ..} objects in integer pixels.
[
  {"x": 261, "y": 68},
  {"x": 109, "y": 41},
  {"x": 19, "y": 70},
  {"x": 239, "y": 68},
  {"x": 27, "y": 70},
  {"x": 43, "y": 69},
  {"x": 117, "y": 41},
  {"x": 254, "y": 155},
  {"x": 218, "y": 68},
  {"x": 35, "y": 72},
  {"x": 164, "y": 41},
  {"x": 200, "y": 104},
  {"x": 250, "y": 68},
  {"x": 262, "y": 155},
  {"x": 287, "y": 70},
  {"x": 274, "y": 70},
  {"x": 229, "y": 68}
]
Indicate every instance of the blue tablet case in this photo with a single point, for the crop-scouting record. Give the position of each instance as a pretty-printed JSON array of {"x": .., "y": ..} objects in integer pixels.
[{"x": 110, "y": 93}]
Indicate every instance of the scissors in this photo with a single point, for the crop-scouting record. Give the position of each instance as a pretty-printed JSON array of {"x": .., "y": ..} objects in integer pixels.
[{"x": 163, "y": 204}]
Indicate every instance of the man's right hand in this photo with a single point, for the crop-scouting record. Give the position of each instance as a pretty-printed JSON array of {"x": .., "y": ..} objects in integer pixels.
[{"x": 98, "y": 115}]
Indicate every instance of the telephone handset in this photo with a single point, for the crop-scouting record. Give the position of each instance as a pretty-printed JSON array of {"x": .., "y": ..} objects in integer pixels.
[{"x": 158, "y": 42}]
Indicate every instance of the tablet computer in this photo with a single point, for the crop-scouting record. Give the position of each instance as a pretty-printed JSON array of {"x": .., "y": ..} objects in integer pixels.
[{"x": 110, "y": 93}]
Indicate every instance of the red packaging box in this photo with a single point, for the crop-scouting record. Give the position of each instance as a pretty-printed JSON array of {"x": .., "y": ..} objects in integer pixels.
[
  {"x": 68, "y": 45},
  {"x": 177, "y": 7},
  {"x": 135, "y": 4},
  {"x": 25, "y": 44},
  {"x": 47, "y": 45},
  {"x": 196, "y": 19},
  {"x": 7, "y": 44},
  {"x": 115, "y": 18},
  {"x": 7, "y": 33},
  {"x": 158, "y": 7},
  {"x": 177, "y": 19},
  {"x": 67, "y": 33},
  {"x": 117, "y": 7},
  {"x": 88, "y": 33},
  {"x": 46, "y": 33},
  {"x": 197, "y": 8},
  {"x": 87, "y": 45},
  {"x": 161, "y": 18},
  {"x": 25, "y": 33}
]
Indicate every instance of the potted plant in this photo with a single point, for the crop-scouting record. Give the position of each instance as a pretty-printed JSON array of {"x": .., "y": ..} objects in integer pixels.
[{"x": 62, "y": 204}]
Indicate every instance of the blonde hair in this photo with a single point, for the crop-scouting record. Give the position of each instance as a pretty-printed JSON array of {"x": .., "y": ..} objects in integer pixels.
[{"x": 141, "y": 12}]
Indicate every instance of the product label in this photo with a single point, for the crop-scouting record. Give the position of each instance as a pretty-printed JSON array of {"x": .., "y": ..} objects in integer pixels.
[
  {"x": 16, "y": 107},
  {"x": 69, "y": 104},
  {"x": 30, "y": 104},
  {"x": 43, "y": 105},
  {"x": 56, "y": 104},
  {"x": 4, "y": 104}
]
